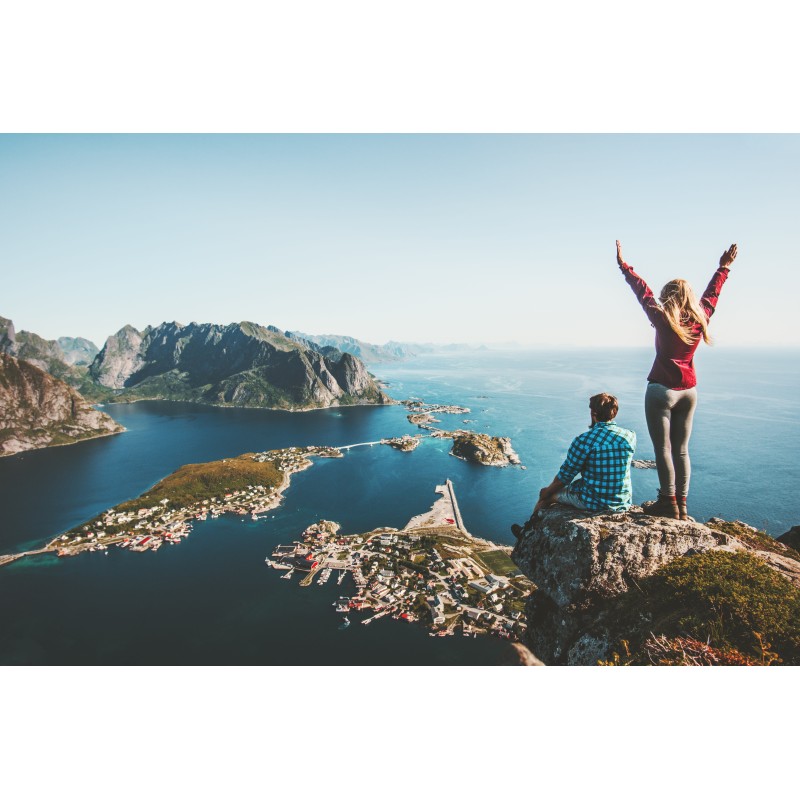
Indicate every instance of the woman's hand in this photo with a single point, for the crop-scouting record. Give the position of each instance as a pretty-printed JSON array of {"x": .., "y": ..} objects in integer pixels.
[
  {"x": 619, "y": 253},
  {"x": 725, "y": 260}
]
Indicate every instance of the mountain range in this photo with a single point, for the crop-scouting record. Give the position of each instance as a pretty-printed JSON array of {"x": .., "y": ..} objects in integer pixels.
[{"x": 242, "y": 364}]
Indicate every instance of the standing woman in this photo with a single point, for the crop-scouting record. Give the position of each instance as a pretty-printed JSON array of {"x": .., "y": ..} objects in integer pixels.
[{"x": 680, "y": 323}]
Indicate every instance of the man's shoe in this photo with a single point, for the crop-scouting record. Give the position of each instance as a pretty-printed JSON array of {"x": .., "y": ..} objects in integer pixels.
[{"x": 663, "y": 507}]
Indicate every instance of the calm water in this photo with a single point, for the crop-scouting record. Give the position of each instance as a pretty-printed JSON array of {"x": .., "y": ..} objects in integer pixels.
[{"x": 212, "y": 600}]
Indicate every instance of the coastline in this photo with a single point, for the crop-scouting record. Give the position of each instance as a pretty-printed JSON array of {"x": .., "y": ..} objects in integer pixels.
[
  {"x": 63, "y": 444},
  {"x": 180, "y": 521}
]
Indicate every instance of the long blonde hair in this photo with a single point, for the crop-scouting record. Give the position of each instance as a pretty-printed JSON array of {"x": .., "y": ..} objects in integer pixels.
[{"x": 680, "y": 306}]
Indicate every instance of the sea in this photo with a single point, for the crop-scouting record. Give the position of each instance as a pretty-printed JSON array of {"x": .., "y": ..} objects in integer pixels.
[{"x": 212, "y": 599}]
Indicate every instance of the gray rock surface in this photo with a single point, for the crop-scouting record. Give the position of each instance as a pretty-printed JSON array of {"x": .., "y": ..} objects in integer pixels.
[{"x": 579, "y": 560}]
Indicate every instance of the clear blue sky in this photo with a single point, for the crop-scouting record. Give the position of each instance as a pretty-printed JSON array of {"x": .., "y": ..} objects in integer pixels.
[{"x": 411, "y": 237}]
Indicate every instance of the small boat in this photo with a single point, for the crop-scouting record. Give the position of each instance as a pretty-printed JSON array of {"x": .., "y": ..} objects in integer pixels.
[
  {"x": 345, "y": 623},
  {"x": 288, "y": 575}
]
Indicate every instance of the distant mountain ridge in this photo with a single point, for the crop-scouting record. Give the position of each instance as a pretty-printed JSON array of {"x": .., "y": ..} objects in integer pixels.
[
  {"x": 77, "y": 350},
  {"x": 70, "y": 366},
  {"x": 242, "y": 364},
  {"x": 376, "y": 353},
  {"x": 367, "y": 352}
]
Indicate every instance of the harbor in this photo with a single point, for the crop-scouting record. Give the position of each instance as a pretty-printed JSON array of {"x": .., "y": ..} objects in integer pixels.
[{"x": 431, "y": 572}]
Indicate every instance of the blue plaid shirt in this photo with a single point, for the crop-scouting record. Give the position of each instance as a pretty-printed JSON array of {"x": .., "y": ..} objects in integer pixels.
[{"x": 602, "y": 456}]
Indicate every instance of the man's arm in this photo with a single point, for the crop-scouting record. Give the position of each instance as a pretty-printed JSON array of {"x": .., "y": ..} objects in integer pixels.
[
  {"x": 642, "y": 291},
  {"x": 547, "y": 496},
  {"x": 573, "y": 464},
  {"x": 710, "y": 296}
]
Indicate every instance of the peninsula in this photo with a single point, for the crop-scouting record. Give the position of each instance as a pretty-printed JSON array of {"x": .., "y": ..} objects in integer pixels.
[
  {"x": 432, "y": 572},
  {"x": 252, "y": 483}
]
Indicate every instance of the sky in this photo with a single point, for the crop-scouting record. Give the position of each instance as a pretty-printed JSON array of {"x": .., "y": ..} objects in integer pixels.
[{"x": 441, "y": 238}]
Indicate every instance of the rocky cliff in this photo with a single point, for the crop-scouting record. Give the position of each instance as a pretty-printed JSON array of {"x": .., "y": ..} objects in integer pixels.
[
  {"x": 38, "y": 410},
  {"x": 480, "y": 448},
  {"x": 241, "y": 364},
  {"x": 629, "y": 588}
]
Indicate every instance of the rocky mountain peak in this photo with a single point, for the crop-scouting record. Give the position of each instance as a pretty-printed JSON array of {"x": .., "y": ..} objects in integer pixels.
[{"x": 596, "y": 576}]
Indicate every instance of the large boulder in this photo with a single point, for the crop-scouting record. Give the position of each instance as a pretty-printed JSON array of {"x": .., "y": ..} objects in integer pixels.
[{"x": 580, "y": 562}]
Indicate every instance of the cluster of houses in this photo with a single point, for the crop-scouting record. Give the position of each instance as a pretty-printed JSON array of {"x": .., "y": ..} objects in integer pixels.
[
  {"x": 148, "y": 527},
  {"x": 404, "y": 574}
]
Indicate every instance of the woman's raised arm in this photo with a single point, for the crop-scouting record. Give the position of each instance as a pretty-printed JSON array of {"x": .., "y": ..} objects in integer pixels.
[{"x": 642, "y": 291}]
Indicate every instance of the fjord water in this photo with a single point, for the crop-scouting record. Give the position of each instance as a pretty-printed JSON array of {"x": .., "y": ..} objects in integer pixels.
[{"x": 211, "y": 599}]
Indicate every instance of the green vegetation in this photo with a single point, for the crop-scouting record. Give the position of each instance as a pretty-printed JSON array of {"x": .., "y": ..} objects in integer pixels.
[
  {"x": 497, "y": 562},
  {"x": 733, "y": 602},
  {"x": 761, "y": 540},
  {"x": 196, "y": 482}
]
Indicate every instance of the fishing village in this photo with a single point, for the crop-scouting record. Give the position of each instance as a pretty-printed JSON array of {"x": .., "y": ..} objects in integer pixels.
[
  {"x": 432, "y": 572},
  {"x": 250, "y": 484}
]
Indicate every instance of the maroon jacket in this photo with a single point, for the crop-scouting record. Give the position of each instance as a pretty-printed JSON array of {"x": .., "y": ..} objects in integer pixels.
[{"x": 674, "y": 364}]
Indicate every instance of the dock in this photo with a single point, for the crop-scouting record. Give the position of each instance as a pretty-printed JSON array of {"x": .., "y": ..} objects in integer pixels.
[{"x": 456, "y": 511}]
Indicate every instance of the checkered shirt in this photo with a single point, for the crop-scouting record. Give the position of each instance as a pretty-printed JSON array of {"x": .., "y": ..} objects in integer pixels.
[{"x": 602, "y": 455}]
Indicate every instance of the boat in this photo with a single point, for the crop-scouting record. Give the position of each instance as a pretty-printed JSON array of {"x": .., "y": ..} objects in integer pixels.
[
  {"x": 341, "y": 576},
  {"x": 345, "y": 623},
  {"x": 288, "y": 574}
]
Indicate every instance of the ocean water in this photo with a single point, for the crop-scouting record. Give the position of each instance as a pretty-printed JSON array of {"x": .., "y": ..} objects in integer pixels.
[{"x": 211, "y": 599}]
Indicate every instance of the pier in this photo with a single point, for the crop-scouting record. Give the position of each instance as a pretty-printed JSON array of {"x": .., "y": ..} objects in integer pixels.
[{"x": 454, "y": 502}]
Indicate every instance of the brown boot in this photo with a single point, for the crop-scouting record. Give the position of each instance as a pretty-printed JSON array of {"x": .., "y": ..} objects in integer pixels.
[
  {"x": 681, "y": 501},
  {"x": 663, "y": 507}
]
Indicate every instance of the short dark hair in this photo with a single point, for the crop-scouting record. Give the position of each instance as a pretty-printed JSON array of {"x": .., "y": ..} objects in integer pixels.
[{"x": 605, "y": 406}]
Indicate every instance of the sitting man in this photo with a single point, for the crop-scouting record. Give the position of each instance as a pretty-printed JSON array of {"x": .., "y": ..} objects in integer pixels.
[{"x": 602, "y": 455}]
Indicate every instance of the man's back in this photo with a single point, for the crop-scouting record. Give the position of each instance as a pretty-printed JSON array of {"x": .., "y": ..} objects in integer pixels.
[{"x": 602, "y": 455}]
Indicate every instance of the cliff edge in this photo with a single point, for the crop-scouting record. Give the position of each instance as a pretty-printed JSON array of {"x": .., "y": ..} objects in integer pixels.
[{"x": 634, "y": 589}]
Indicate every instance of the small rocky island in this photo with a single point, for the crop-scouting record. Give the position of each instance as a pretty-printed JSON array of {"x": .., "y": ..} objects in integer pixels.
[
  {"x": 403, "y": 443},
  {"x": 480, "y": 448},
  {"x": 477, "y": 448}
]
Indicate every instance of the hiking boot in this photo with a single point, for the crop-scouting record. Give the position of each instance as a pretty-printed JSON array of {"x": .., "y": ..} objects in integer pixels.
[
  {"x": 682, "y": 513},
  {"x": 663, "y": 507}
]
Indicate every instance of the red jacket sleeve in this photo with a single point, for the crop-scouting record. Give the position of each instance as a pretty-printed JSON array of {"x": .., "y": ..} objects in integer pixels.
[
  {"x": 710, "y": 296},
  {"x": 643, "y": 294}
]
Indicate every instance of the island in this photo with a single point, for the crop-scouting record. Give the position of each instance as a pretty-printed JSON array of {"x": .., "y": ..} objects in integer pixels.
[
  {"x": 480, "y": 448},
  {"x": 251, "y": 483},
  {"x": 477, "y": 448},
  {"x": 432, "y": 572},
  {"x": 403, "y": 443}
]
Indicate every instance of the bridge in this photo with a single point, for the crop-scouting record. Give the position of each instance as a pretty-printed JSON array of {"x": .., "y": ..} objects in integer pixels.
[
  {"x": 9, "y": 557},
  {"x": 360, "y": 444}
]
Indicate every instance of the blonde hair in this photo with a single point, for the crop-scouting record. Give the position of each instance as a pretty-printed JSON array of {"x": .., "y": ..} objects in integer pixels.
[{"x": 680, "y": 306}]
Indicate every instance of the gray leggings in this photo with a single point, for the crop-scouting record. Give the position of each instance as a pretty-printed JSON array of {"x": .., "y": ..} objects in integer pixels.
[{"x": 669, "y": 414}]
